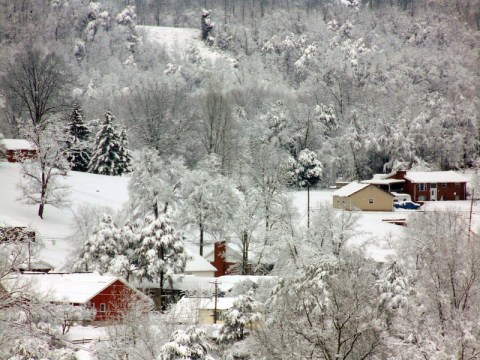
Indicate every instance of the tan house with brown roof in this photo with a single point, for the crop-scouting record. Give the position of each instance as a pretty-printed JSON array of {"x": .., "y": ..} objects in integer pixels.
[{"x": 366, "y": 197}]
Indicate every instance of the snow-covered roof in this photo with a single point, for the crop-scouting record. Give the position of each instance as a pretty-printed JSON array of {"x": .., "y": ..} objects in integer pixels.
[
  {"x": 233, "y": 252},
  {"x": 187, "y": 283},
  {"x": 17, "y": 144},
  {"x": 76, "y": 288},
  {"x": 383, "y": 181},
  {"x": 227, "y": 282},
  {"x": 382, "y": 176},
  {"x": 435, "y": 177},
  {"x": 350, "y": 189},
  {"x": 197, "y": 263},
  {"x": 223, "y": 303}
]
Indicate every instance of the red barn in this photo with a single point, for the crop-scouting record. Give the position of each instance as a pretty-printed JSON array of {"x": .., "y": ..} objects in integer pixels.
[
  {"x": 108, "y": 295},
  {"x": 17, "y": 150}
]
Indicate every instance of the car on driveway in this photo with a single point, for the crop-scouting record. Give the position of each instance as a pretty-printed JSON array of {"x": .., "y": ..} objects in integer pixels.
[{"x": 408, "y": 205}]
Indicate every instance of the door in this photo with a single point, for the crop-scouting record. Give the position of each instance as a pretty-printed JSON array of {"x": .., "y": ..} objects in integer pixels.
[{"x": 433, "y": 192}]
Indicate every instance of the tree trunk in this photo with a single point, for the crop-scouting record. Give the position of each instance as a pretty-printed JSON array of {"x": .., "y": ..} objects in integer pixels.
[
  {"x": 308, "y": 206},
  {"x": 159, "y": 294},
  {"x": 245, "y": 253},
  {"x": 201, "y": 239},
  {"x": 40, "y": 210}
]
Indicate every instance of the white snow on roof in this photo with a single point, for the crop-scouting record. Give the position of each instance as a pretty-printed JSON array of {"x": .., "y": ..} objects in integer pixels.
[
  {"x": 17, "y": 144},
  {"x": 77, "y": 288},
  {"x": 383, "y": 181},
  {"x": 196, "y": 263},
  {"x": 233, "y": 252},
  {"x": 350, "y": 189},
  {"x": 227, "y": 282},
  {"x": 223, "y": 303},
  {"x": 435, "y": 177}
]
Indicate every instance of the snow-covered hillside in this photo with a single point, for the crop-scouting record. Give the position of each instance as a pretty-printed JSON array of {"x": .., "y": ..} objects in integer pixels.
[
  {"x": 100, "y": 190},
  {"x": 179, "y": 42}
]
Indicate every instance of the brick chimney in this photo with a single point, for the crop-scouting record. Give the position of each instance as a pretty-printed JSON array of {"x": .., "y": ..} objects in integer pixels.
[{"x": 219, "y": 253}]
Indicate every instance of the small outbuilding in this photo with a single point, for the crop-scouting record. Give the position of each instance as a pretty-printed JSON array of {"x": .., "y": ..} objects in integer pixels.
[
  {"x": 108, "y": 295},
  {"x": 201, "y": 310},
  {"x": 17, "y": 150},
  {"x": 359, "y": 196}
]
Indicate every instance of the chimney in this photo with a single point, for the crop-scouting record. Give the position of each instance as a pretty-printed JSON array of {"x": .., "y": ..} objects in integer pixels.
[{"x": 219, "y": 251}]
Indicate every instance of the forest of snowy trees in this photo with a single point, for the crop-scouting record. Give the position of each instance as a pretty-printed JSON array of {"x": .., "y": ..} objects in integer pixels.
[{"x": 303, "y": 93}]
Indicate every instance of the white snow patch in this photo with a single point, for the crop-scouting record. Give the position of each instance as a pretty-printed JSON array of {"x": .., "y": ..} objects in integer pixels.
[{"x": 178, "y": 41}]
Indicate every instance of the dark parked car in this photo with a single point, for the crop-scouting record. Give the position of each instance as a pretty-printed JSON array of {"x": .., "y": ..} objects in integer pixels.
[{"x": 408, "y": 205}]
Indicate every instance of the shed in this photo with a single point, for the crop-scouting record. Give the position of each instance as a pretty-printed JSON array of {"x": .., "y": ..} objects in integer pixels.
[
  {"x": 108, "y": 295},
  {"x": 366, "y": 197},
  {"x": 201, "y": 310},
  {"x": 17, "y": 150}
]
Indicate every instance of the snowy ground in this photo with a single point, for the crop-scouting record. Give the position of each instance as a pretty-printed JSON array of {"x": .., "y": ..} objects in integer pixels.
[{"x": 56, "y": 224}]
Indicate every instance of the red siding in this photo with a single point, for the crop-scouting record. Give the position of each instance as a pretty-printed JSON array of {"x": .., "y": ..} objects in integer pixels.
[
  {"x": 451, "y": 191},
  {"x": 20, "y": 155},
  {"x": 116, "y": 298}
]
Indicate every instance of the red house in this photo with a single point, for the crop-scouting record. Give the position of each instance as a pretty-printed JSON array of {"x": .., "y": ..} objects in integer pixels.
[
  {"x": 425, "y": 185},
  {"x": 17, "y": 150},
  {"x": 108, "y": 295}
]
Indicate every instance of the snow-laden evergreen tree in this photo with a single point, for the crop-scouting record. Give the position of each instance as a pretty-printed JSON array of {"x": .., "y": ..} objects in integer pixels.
[
  {"x": 241, "y": 317},
  {"x": 106, "y": 158},
  {"x": 160, "y": 253},
  {"x": 394, "y": 292},
  {"x": 186, "y": 344},
  {"x": 306, "y": 171},
  {"x": 124, "y": 153},
  {"x": 124, "y": 263},
  {"x": 101, "y": 248},
  {"x": 77, "y": 144}
]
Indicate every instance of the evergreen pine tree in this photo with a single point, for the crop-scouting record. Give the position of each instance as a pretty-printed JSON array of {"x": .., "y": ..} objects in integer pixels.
[
  {"x": 124, "y": 153},
  {"x": 106, "y": 157},
  {"x": 242, "y": 315},
  {"x": 78, "y": 150},
  {"x": 160, "y": 253},
  {"x": 101, "y": 248},
  {"x": 186, "y": 344}
]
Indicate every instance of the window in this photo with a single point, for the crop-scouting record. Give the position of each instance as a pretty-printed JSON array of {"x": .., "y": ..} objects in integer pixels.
[
  {"x": 370, "y": 201},
  {"x": 102, "y": 307},
  {"x": 444, "y": 185},
  {"x": 457, "y": 185},
  {"x": 422, "y": 187}
]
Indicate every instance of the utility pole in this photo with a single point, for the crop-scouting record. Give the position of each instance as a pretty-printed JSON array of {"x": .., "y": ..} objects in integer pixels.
[
  {"x": 216, "y": 283},
  {"x": 470, "y": 217}
]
